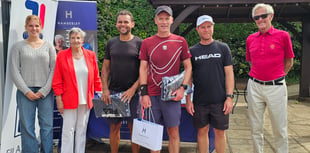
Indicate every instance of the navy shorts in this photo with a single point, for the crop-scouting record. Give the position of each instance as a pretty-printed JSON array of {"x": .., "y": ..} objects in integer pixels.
[
  {"x": 210, "y": 114},
  {"x": 167, "y": 113},
  {"x": 134, "y": 105}
]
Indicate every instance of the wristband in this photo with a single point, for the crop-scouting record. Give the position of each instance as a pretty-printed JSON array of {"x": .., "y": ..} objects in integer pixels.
[
  {"x": 184, "y": 86},
  {"x": 143, "y": 90},
  {"x": 230, "y": 95}
]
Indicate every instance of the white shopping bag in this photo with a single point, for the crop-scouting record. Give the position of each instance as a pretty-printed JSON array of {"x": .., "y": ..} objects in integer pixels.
[{"x": 147, "y": 134}]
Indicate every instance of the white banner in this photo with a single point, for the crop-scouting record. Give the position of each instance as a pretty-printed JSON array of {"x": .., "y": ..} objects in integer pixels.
[{"x": 20, "y": 9}]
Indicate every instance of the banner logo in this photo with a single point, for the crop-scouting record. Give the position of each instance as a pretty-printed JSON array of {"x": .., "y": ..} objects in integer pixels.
[
  {"x": 68, "y": 14},
  {"x": 36, "y": 7}
]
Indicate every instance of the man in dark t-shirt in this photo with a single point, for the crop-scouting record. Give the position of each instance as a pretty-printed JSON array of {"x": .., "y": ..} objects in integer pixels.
[
  {"x": 213, "y": 80},
  {"x": 121, "y": 69}
]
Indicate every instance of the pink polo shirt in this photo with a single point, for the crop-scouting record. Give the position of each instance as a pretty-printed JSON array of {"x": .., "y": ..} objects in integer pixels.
[{"x": 267, "y": 52}]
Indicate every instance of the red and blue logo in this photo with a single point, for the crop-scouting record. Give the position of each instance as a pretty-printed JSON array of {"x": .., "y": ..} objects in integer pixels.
[{"x": 36, "y": 7}]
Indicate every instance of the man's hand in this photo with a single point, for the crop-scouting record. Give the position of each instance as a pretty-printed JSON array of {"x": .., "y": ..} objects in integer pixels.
[
  {"x": 179, "y": 94},
  {"x": 146, "y": 101},
  {"x": 106, "y": 96},
  {"x": 190, "y": 107},
  {"x": 127, "y": 95},
  {"x": 228, "y": 105}
]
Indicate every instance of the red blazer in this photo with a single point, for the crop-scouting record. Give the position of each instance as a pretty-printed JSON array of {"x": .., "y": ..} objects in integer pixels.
[{"x": 64, "y": 80}]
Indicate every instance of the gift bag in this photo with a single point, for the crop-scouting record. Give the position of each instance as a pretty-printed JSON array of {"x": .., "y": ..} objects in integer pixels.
[{"x": 147, "y": 133}]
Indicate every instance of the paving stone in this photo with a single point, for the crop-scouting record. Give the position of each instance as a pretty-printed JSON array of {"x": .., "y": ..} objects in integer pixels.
[{"x": 239, "y": 134}]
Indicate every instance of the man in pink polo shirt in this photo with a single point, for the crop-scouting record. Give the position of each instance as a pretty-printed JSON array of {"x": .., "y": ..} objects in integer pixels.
[{"x": 270, "y": 54}]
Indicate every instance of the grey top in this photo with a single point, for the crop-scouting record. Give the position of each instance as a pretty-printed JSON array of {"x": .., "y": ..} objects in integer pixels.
[{"x": 32, "y": 67}]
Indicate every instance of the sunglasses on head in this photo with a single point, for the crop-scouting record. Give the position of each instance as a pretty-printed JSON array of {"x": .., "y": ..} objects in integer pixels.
[{"x": 263, "y": 16}]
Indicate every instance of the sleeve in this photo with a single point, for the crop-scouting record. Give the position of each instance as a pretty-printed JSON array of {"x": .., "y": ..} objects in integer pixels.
[
  {"x": 228, "y": 55},
  {"x": 58, "y": 82},
  {"x": 15, "y": 70},
  {"x": 143, "y": 51},
  {"x": 52, "y": 58},
  {"x": 288, "y": 48},
  {"x": 247, "y": 53},
  {"x": 107, "y": 54},
  {"x": 185, "y": 50},
  {"x": 97, "y": 79},
  {"x": 139, "y": 42}
]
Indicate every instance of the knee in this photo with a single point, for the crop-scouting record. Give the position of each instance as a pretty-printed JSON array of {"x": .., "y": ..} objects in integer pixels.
[
  {"x": 173, "y": 133},
  {"x": 219, "y": 133},
  {"x": 203, "y": 131},
  {"x": 115, "y": 128}
]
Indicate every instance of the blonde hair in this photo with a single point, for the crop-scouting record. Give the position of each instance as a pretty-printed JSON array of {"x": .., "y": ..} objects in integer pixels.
[{"x": 32, "y": 17}]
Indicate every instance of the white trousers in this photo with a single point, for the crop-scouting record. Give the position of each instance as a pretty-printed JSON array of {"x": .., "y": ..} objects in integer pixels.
[
  {"x": 74, "y": 129},
  {"x": 274, "y": 98}
]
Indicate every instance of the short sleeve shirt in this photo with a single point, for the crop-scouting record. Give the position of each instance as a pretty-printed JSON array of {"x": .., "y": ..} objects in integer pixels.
[
  {"x": 164, "y": 57},
  {"x": 125, "y": 63},
  {"x": 267, "y": 52},
  {"x": 208, "y": 62}
]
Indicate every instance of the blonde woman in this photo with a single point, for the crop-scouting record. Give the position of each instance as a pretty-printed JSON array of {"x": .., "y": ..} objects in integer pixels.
[{"x": 32, "y": 68}]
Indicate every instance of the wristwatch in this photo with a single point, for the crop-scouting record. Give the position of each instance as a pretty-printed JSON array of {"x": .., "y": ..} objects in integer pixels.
[
  {"x": 230, "y": 95},
  {"x": 184, "y": 86}
]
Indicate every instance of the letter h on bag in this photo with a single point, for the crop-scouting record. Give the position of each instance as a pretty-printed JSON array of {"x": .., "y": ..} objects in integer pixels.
[{"x": 143, "y": 130}]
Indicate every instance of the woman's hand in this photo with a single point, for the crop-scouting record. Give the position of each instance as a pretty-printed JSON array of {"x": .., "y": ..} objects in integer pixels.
[
  {"x": 60, "y": 104},
  {"x": 32, "y": 96}
]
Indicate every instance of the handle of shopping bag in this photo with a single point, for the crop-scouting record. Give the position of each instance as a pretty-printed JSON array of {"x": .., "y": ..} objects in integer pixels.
[
  {"x": 149, "y": 114},
  {"x": 143, "y": 112}
]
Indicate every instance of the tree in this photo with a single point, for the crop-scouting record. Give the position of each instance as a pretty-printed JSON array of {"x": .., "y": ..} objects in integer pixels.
[{"x": 230, "y": 33}]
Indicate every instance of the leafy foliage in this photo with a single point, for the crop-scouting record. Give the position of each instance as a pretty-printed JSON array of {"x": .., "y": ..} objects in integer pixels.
[
  {"x": 234, "y": 34},
  {"x": 235, "y": 37},
  {"x": 143, "y": 14}
]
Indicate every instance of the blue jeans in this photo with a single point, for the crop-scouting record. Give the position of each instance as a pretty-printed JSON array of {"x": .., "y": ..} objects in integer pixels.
[{"x": 27, "y": 114}]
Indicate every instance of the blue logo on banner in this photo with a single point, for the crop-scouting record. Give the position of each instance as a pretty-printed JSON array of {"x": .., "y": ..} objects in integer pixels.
[
  {"x": 73, "y": 14},
  {"x": 35, "y": 7}
]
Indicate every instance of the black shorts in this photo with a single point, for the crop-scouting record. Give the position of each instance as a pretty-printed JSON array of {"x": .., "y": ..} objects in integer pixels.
[{"x": 210, "y": 114}]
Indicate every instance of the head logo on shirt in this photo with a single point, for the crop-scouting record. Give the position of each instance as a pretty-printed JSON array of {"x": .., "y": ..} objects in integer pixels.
[
  {"x": 207, "y": 56},
  {"x": 272, "y": 46}
]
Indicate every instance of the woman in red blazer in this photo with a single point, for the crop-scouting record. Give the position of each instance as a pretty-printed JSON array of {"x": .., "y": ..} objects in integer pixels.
[{"x": 76, "y": 77}]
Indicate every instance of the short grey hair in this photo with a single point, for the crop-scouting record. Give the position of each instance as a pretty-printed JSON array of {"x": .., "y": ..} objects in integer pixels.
[
  {"x": 77, "y": 30},
  {"x": 59, "y": 37},
  {"x": 268, "y": 8}
]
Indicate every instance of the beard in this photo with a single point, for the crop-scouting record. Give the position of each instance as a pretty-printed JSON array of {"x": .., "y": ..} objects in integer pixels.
[
  {"x": 206, "y": 38},
  {"x": 125, "y": 33},
  {"x": 128, "y": 30}
]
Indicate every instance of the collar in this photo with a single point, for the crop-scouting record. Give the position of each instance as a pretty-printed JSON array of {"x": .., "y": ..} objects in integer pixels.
[{"x": 270, "y": 31}]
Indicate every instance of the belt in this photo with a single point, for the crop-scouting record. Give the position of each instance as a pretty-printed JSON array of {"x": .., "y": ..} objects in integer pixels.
[{"x": 273, "y": 82}]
